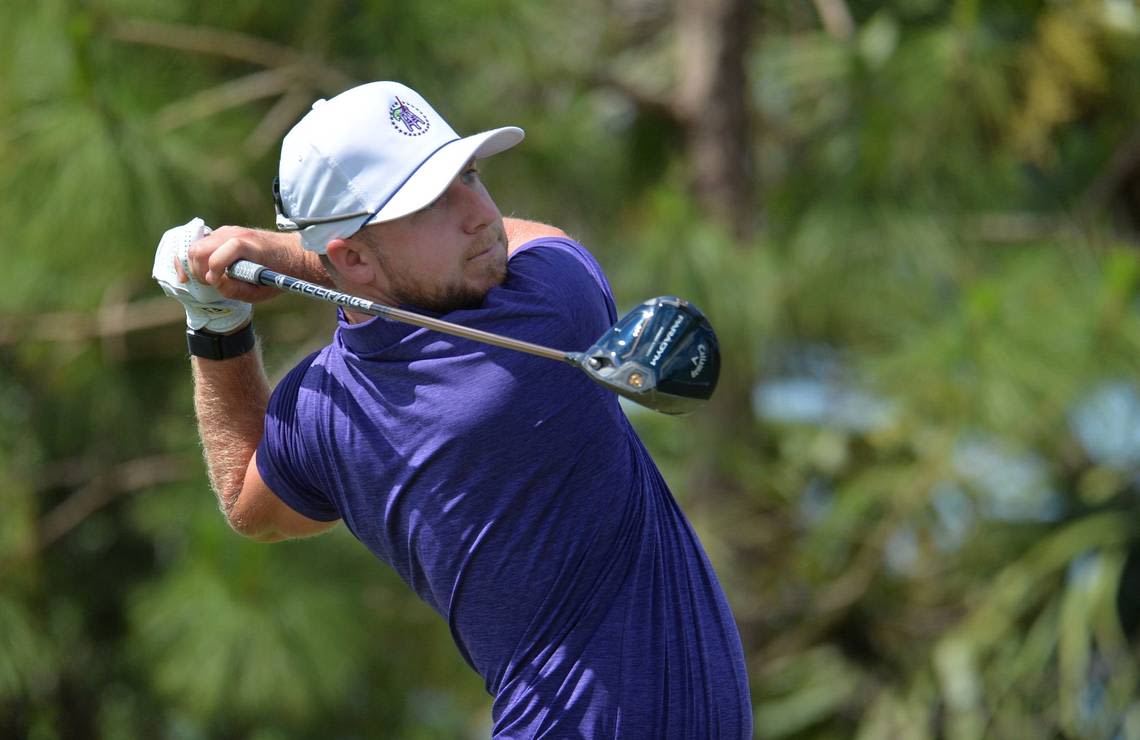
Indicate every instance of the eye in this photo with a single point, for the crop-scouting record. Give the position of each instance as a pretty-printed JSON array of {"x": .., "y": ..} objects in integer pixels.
[{"x": 469, "y": 177}]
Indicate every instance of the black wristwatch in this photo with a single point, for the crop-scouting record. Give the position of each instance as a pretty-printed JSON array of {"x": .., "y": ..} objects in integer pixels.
[{"x": 211, "y": 346}]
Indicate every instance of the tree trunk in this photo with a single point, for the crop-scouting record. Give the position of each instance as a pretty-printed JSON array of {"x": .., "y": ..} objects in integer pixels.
[{"x": 712, "y": 98}]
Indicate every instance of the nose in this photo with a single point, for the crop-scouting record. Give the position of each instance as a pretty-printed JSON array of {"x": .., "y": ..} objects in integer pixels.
[{"x": 479, "y": 209}]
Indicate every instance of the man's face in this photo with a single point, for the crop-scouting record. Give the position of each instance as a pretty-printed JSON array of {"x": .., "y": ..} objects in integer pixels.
[{"x": 446, "y": 256}]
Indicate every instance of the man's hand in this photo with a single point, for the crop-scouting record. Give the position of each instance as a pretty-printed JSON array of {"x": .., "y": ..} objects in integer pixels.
[
  {"x": 209, "y": 257},
  {"x": 205, "y": 307}
]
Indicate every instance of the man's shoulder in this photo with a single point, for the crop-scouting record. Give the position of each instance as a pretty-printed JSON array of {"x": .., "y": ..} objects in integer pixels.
[
  {"x": 560, "y": 258},
  {"x": 558, "y": 292}
]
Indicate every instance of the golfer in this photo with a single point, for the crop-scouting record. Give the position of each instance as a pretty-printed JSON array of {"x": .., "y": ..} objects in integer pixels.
[{"x": 508, "y": 491}]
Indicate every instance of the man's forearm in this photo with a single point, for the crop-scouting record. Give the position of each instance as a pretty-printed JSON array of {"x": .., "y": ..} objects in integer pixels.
[
  {"x": 230, "y": 398},
  {"x": 300, "y": 263}
]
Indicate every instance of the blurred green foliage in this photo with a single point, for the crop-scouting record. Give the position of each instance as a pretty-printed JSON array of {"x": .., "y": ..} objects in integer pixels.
[{"x": 919, "y": 481}]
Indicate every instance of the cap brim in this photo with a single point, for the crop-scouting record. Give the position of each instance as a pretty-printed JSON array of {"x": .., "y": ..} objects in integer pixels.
[{"x": 433, "y": 177}]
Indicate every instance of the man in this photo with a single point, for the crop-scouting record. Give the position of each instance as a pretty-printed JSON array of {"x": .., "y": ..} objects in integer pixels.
[{"x": 508, "y": 491}]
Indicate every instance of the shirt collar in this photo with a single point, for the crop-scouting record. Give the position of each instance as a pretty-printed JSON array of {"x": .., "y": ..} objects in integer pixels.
[{"x": 372, "y": 336}]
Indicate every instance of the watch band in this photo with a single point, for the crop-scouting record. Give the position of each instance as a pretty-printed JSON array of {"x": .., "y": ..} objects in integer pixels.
[{"x": 211, "y": 346}]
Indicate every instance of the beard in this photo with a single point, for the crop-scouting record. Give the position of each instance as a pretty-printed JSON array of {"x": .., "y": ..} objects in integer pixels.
[{"x": 465, "y": 292}]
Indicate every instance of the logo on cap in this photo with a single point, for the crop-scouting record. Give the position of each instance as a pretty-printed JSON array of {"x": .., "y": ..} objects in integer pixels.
[{"x": 408, "y": 119}]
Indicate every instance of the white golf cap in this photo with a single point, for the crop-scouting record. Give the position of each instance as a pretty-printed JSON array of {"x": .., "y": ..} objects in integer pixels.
[{"x": 371, "y": 154}]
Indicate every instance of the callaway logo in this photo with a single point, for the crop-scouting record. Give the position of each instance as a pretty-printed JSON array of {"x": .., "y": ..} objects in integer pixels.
[
  {"x": 699, "y": 360},
  {"x": 215, "y": 310},
  {"x": 665, "y": 342},
  {"x": 408, "y": 119}
]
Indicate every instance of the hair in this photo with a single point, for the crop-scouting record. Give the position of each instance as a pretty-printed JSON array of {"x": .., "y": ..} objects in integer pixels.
[{"x": 369, "y": 237}]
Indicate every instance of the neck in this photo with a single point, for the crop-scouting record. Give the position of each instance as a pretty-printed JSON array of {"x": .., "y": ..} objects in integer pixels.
[
  {"x": 355, "y": 317},
  {"x": 366, "y": 291}
]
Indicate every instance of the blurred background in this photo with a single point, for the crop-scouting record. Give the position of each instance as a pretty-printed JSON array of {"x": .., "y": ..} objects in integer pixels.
[{"x": 914, "y": 224}]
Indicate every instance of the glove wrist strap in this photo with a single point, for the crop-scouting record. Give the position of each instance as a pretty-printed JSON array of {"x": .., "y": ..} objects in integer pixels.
[{"x": 211, "y": 346}]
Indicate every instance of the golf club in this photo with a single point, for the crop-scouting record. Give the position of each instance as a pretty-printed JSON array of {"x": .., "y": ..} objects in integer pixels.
[{"x": 662, "y": 355}]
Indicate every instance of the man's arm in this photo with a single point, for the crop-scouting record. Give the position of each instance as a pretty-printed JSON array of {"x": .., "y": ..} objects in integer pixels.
[
  {"x": 231, "y": 395},
  {"x": 230, "y": 398},
  {"x": 519, "y": 232},
  {"x": 210, "y": 256},
  {"x": 282, "y": 252}
]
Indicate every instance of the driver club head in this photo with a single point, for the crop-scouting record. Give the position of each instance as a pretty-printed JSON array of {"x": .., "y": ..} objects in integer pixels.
[{"x": 663, "y": 355}]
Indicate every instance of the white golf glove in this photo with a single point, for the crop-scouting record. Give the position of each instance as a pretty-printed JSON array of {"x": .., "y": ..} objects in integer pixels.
[{"x": 206, "y": 309}]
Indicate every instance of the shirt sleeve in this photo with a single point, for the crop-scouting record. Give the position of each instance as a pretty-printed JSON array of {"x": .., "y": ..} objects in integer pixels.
[
  {"x": 283, "y": 455},
  {"x": 563, "y": 276}
]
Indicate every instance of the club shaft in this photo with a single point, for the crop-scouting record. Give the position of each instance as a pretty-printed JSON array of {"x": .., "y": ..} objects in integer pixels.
[{"x": 255, "y": 274}]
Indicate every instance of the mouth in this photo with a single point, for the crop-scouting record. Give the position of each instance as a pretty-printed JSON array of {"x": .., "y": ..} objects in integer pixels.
[
  {"x": 485, "y": 250},
  {"x": 481, "y": 253}
]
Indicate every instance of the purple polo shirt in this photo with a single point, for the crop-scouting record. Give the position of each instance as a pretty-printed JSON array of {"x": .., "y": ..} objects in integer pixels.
[{"x": 513, "y": 496}]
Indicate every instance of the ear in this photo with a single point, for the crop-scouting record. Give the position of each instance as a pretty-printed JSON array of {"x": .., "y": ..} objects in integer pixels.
[{"x": 354, "y": 262}]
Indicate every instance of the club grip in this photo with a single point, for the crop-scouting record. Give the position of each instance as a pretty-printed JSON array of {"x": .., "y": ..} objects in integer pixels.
[{"x": 246, "y": 271}]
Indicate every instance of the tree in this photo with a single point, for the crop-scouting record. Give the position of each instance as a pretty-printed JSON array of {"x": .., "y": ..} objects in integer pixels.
[{"x": 917, "y": 479}]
